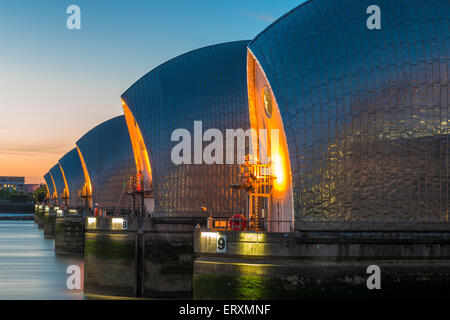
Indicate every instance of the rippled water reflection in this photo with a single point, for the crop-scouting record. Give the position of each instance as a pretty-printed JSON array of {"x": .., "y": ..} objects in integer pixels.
[{"x": 29, "y": 267}]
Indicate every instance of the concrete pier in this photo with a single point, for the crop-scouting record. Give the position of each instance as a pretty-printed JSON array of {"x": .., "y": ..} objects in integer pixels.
[
  {"x": 39, "y": 217},
  {"x": 168, "y": 257},
  {"x": 36, "y": 211},
  {"x": 69, "y": 234},
  {"x": 49, "y": 222},
  {"x": 110, "y": 252},
  {"x": 154, "y": 261},
  {"x": 414, "y": 262}
]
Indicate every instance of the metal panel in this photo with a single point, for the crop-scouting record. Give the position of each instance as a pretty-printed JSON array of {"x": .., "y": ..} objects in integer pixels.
[
  {"x": 207, "y": 85},
  {"x": 59, "y": 181},
  {"x": 49, "y": 183},
  {"x": 366, "y": 112},
  {"x": 108, "y": 154},
  {"x": 73, "y": 171}
]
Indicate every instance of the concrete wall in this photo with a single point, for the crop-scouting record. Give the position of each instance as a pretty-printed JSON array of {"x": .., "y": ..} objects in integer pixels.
[
  {"x": 154, "y": 261},
  {"x": 69, "y": 234},
  {"x": 49, "y": 224},
  {"x": 39, "y": 218},
  {"x": 110, "y": 257},
  {"x": 168, "y": 258},
  {"x": 321, "y": 264}
]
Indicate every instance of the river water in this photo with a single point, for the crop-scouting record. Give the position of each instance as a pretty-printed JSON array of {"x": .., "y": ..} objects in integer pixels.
[{"x": 29, "y": 267}]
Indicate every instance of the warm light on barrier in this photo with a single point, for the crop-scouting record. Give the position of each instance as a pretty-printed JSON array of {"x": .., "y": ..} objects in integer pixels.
[{"x": 210, "y": 235}]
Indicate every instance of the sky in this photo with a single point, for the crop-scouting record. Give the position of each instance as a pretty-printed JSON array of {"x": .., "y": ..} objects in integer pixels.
[{"x": 56, "y": 84}]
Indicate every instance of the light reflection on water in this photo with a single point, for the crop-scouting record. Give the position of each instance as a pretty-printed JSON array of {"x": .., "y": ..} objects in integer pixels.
[{"x": 29, "y": 267}]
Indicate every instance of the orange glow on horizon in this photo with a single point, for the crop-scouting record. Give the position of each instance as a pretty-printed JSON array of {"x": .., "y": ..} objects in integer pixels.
[{"x": 31, "y": 166}]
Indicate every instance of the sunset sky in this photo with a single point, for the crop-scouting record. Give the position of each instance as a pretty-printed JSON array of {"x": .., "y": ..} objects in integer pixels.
[{"x": 56, "y": 84}]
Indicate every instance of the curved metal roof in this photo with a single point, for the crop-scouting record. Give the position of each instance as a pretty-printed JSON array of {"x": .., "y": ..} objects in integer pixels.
[
  {"x": 208, "y": 85},
  {"x": 108, "y": 155}
]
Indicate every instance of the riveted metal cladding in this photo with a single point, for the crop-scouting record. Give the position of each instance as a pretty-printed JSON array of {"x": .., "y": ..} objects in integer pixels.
[
  {"x": 207, "y": 85},
  {"x": 73, "y": 172},
  {"x": 108, "y": 155},
  {"x": 58, "y": 180},
  {"x": 366, "y": 112}
]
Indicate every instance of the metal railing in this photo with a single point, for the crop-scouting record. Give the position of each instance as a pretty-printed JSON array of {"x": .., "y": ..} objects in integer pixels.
[{"x": 240, "y": 224}]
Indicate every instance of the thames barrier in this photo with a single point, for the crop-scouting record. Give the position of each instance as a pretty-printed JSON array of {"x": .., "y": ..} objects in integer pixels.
[{"x": 338, "y": 169}]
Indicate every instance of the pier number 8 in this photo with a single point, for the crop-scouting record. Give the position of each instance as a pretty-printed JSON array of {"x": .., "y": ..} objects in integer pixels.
[
  {"x": 125, "y": 224},
  {"x": 221, "y": 244}
]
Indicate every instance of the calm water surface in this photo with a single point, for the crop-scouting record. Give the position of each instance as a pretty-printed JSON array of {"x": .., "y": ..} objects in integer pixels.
[{"x": 29, "y": 267}]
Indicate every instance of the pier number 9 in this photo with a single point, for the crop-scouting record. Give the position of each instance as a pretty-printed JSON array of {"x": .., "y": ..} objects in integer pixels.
[{"x": 221, "y": 244}]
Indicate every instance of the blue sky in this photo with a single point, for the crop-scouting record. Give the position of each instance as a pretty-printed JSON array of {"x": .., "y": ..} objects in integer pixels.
[{"x": 55, "y": 83}]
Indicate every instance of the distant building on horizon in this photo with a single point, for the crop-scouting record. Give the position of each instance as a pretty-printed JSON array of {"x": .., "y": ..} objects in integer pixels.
[{"x": 12, "y": 183}]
